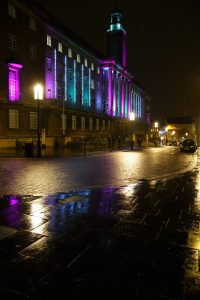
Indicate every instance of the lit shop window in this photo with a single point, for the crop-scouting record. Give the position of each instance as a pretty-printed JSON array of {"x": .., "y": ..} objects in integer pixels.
[
  {"x": 92, "y": 66},
  {"x": 48, "y": 40},
  {"x": 14, "y": 81},
  {"x": 60, "y": 47},
  {"x": 13, "y": 119}
]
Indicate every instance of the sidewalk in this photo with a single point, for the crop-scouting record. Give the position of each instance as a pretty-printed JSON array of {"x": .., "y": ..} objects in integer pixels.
[
  {"x": 63, "y": 151},
  {"x": 139, "y": 241}
]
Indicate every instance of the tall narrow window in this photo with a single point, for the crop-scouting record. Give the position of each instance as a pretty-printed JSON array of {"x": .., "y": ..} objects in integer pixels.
[
  {"x": 48, "y": 40},
  {"x": 103, "y": 125},
  {"x": 69, "y": 53},
  {"x": 97, "y": 124},
  {"x": 60, "y": 47},
  {"x": 78, "y": 58},
  {"x": 33, "y": 120},
  {"x": 73, "y": 122},
  {"x": 82, "y": 123},
  {"x": 85, "y": 62},
  {"x": 12, "y": 11},
  {"x": 13, "y": 119},
  {"x": 90, "y": 124},
  {"x": 33, "y": 53},
  {"x": 12, "y": 43},
  {"x": 92, "y": 84},
  {"x": 13, "y": 81},
  {"x": 32, "y": 24},
  {"x": 108, "y": 124}
]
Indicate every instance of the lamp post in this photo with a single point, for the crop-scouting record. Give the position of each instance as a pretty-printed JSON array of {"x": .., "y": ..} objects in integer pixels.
[
  {"x": 156, "y": 133},
  {"x": 132, "y": 118},
  {"x": 38, "y": 95},
  {"x": 166, "y": 133}
]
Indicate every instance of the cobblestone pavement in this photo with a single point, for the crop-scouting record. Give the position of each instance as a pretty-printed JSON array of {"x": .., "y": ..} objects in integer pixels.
[{"x": 138, "y": 241}]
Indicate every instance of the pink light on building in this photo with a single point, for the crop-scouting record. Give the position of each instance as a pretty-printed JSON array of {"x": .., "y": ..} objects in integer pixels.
[
  {"x": 122, "y": 97},
  {"x": 14, "y": 81},
  {"x": 110, "y": 91}
]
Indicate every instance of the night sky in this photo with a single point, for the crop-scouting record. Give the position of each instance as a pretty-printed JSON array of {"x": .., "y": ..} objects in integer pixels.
[{"x": 163, "y": 40}]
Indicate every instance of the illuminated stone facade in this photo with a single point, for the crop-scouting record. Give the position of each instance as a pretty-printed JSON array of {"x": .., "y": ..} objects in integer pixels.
[{"x": 86, "y": 94}]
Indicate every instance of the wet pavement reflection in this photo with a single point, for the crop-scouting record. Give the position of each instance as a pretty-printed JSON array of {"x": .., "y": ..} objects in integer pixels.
[{"x": 139, "y": 241}]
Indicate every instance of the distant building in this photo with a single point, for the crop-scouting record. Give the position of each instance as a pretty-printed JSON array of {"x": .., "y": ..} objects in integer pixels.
[
  {"x": 86, "y": 94},
  {"x": 179, "y": 128}
]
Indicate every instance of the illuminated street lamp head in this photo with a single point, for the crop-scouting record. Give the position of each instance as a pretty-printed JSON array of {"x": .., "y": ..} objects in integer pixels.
[
  {"x": 132, "y": 116},
  {"x": 156, "y": 124},
  {"x": 38, "y": 92}
]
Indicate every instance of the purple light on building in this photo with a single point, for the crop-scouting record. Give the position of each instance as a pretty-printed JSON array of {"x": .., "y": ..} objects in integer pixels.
[
  {"x": 14, "y": 81},
  {"x": 110, "y": 91},
  {"x": 114, "y": 95},
  {"x": 129, "y": 98},
  {"x": 122, "y": 103}
]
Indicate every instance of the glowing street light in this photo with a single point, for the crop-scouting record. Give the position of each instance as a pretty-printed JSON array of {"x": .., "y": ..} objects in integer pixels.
[
  {"x": 132, "y": 116},
  {"x": 38, "y": 95},
  {"x": 156, "y": 124}
]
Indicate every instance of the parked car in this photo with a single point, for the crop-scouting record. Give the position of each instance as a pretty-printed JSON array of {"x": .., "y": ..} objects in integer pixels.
[
  {"x": 173, "y": 143},
  {"x": 188, "y": 146}
]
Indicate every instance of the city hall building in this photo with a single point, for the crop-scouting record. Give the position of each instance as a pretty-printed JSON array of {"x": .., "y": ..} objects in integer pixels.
[{"x": 86, "y": 94}]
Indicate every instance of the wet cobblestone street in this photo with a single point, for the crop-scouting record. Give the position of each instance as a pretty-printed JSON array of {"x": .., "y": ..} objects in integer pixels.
[{"x": 137, "y": 241}]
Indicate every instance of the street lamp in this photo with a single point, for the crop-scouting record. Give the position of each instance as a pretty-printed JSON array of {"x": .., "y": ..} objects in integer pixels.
[
  {"x": 166, "y": 133},
  {"x": 38, "y": 95},
  {"x": 132, "y": 118}
]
